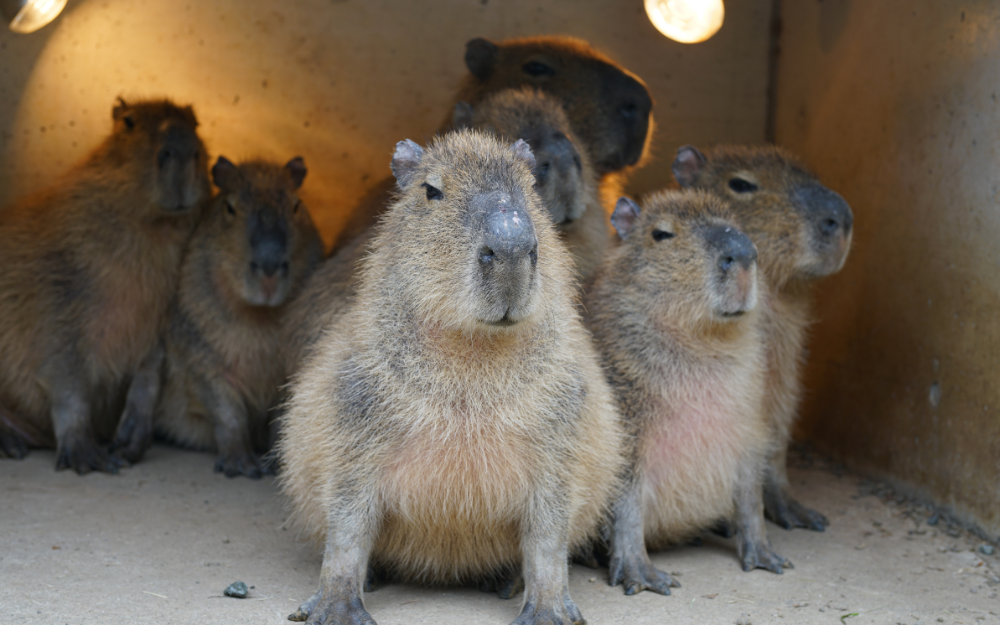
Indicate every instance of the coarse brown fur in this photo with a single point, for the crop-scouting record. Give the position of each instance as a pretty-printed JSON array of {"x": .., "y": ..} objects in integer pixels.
[
  {"x": 223, "y": 369},
  {"x": 783, "y": 215},
  {"x": 672, "y": 311},
  {"x": 565, "y": 179},
  {"x": 90, "y": 267},
  {"x": 454, "y": 422},
  {"x": 609, "y": 108}
]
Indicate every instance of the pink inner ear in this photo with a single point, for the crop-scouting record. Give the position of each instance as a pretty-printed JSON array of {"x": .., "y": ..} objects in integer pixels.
[
  {"x": 523, "y": 151},
  {"x": 688, "y": 165}
]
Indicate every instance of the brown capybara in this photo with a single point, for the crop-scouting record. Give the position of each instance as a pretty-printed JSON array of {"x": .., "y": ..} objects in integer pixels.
[
  {"x": 803, "y": 232},
  {"x": 673, "y": 314},
  {"x": 454, "y": 421},
  {"x": 609, "y": 108},
  {"x": 250, "y": 254},
  {"x": 564, "y": 177},
  {"x": 90, "y": 267}
]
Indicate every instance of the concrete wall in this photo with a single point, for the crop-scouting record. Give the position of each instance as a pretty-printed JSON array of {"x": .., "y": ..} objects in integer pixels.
[
  {"x": 894, "y": 103},
  {"x": 340, "y": 81}
]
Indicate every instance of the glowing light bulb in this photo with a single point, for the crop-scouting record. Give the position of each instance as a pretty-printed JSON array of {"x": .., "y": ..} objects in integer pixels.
[
  {"x": 687, "y": 21},
  {"x": 30, "y": 15}
]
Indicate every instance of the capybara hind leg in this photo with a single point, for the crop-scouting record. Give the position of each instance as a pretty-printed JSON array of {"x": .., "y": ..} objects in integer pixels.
[
  {"x": 135, "y": 429},
  {"x": 12, "y": 445},
  {"x": 630, "y": 565},
  {"x": 751, "y": 534},
  {"x": 779, "y": 505}
]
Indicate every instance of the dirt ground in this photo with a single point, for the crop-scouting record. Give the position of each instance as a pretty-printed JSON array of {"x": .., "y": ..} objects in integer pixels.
[{"x": 160, "y": 542}]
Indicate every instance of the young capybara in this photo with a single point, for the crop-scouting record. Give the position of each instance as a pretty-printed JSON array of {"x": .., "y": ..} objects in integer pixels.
[
  {"x": 609, "y": 108},
  {"x": 564, "y": 177},
  {"x": 90, "y": 268},
  {"x": 454, "y": 421},
  {"x": 803, "y": 232},
  {"x": 672, "y": 311},
  {"x": 250, "y": 254}
]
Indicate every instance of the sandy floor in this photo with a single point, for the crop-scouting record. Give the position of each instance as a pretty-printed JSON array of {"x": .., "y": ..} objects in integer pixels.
[{"x": 160, "y": 542}]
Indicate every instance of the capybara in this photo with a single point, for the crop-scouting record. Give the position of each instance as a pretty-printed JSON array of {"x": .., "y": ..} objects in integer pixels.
[
  {"x": 250, "y": 254},
  {"x": 803, "y": 232},
  {"x": 609, "y": 108},
  {"x": 673, "y": 314},
  {"x": 91, "y": 265},
  {"x": 454, "y": 421},
  {"x": 564, "y": 177}
]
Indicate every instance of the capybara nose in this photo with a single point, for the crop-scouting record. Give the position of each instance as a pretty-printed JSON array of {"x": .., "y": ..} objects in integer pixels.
[
  {"x": 830, "y": 212},
  {"x": 732, "y": 246},
  {"x": 509, "y": 235}
]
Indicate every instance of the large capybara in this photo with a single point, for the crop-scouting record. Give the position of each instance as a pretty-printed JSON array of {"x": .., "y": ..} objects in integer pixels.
[
  {"x": 609, "y": 108},
  {"x": 454, "y": 421},
  {"x": 564, "y": 177},
  {"x": 803, "y": 232},
  {"x": 90, "y": 268},
  {"x": 249, "y": 256},
  {"x": 673, "y": 314}
]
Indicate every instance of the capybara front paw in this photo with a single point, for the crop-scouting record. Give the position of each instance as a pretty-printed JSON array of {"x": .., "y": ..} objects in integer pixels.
[
  {"x": 240, "y": 464},
  {"x": 132, "y": 438},
  {"x": 565, "y": 614},
  {"x": 782, "y": 509},
  {"x": 321, "y": 610},
  {"x": 637, "y": 575},
  {"x": 756, "y": 555},
  {"x": 12, "y": 446},
  {"x": 82, "y": 454}
]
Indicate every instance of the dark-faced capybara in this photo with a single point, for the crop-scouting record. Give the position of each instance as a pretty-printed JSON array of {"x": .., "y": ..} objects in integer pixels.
[
  {"x": 249, "y": 256},
  {"x": 91, "y": 266}
]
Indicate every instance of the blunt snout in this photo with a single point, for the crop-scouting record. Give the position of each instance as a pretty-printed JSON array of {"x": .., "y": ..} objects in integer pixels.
[
  {"x": 734, "y": 249},
  {"x": 269, "y": 245},
  {"x": 509, "y": 235},
  {"x": 830, "y": 213}
]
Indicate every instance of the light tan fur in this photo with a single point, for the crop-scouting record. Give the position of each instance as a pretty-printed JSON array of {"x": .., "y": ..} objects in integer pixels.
[
  {"x": 683, "y": 346},
  {"x": 90, "y": 267},
  {"x": 223, "y": 368},
  {"x": 442, "y": 446},
  {"x": 792, "y": 257}
]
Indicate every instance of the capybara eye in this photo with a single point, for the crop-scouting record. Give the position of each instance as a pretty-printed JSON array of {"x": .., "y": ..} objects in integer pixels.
[
  {"x": 229, "y": 208},
  {"x": 433, "y": 193},
  {"x": 295, "y": 208},
  {"x": 662, "y": 235},
  {"x": 129, "y": 122},
  {"x": 742, "y": 186},
  {"x": 536, "y": 68}
]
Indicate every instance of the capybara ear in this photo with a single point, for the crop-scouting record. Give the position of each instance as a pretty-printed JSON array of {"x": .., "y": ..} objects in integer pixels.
[
  {"x": 523, "y": 152},
  {"x": 224, "y": 173},
  {"x": 461, "y": 117},
  {"x": 625, "y": 215},
  {"x": 296, "y": 168},
  {"x": 119, "y": 109},
  {"x": 481, "y": 57},
  {"x": 688, "y": 165},
  {"x": 405, "y": 161}
]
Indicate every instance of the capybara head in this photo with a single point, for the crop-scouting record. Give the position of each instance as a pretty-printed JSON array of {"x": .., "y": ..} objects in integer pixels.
[
  {"x": 538, "y": 119},
  {"x": 464, "y": 230},
  {"x": 684, "y": 254},
  {"x": 803, "y": 229},
  {"x": 160, "y": 139},
  {"x": 609, "y": 107},
  {"x": 266, "y": 238}
]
